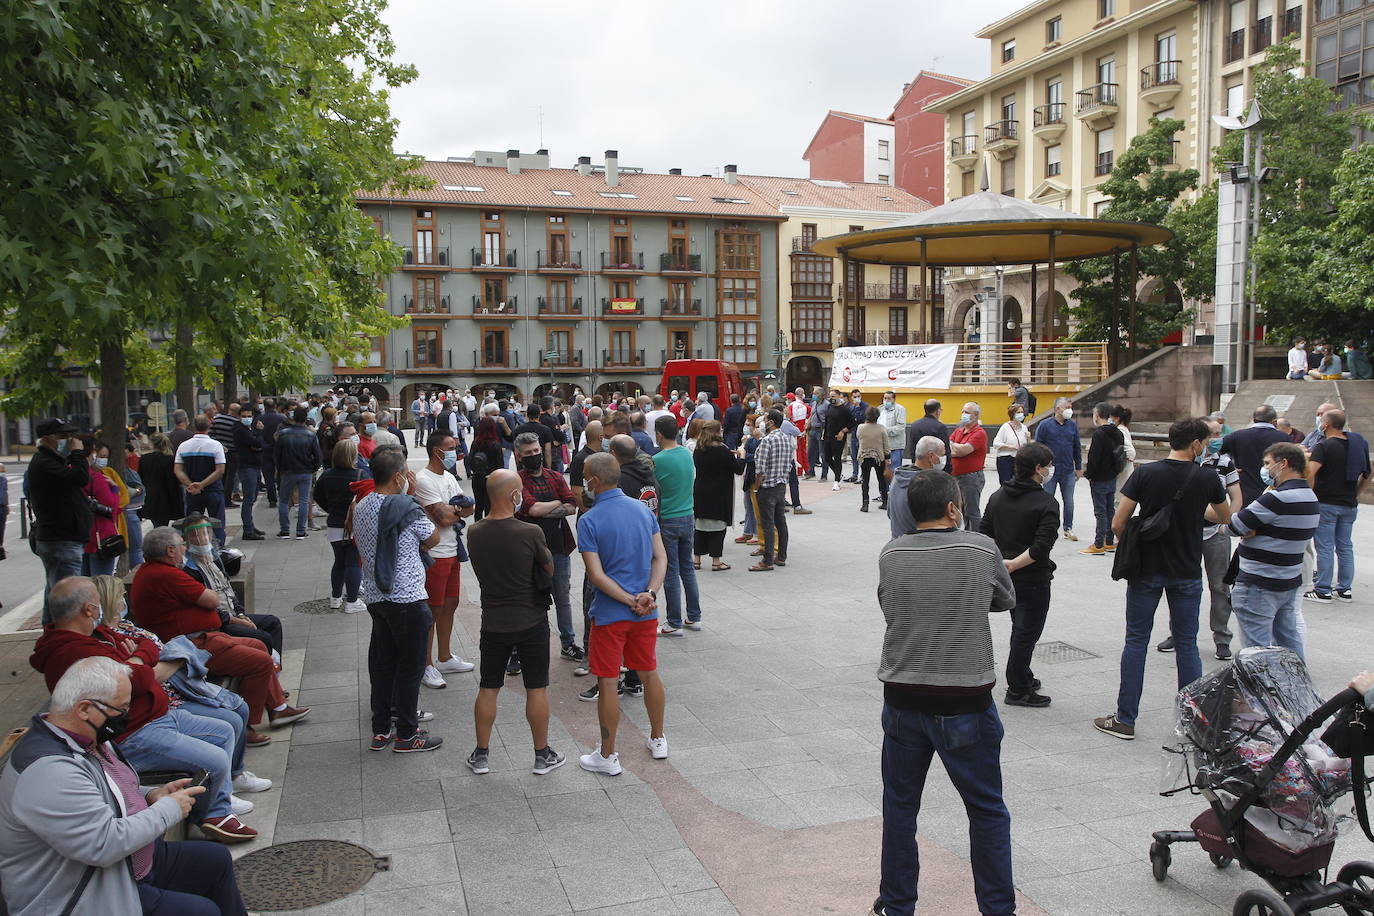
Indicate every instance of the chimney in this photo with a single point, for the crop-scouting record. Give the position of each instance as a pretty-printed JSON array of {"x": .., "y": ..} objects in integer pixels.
[
  {"x": 612, "y": 168},
  {"x": 675, "y": 171},
  {"x": 542, "y": 152},
  {"x": 584, "y": 165},
  {"x": 732, "y": 174},
  {"x": 513, "y": 161}
]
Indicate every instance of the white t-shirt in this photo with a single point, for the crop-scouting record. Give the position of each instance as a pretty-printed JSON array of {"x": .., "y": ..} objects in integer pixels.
[
  {"x": 652, "y": 416},
  {"x": 431, "y": 488}
]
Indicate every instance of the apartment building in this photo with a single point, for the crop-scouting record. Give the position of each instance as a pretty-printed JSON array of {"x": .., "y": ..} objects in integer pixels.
[
  {"x": 852, "y": 147},
  {"x": 1072, "y": 82},
  {"x": 520, "y": 277},
  {"x": 1341, "y": 51},
  {"x": 894, "y": 309}
]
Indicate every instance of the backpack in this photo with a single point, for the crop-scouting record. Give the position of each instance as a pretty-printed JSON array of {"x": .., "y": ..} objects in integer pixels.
[
  {"x": 478, "y": 465},
  {"x": 1030, "y": 403}
]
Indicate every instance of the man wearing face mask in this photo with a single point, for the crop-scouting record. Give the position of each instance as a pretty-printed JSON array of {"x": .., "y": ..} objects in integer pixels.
[
  {"x": 1247, "y": 447},
  {"x": 968, "y": 449},
  {"x": 55, "y": 483},
  {"x": 368, "y": 443},
  {"x": 893, "y": 421},
  {"x": 928, "y": 455},
  {"x": 858, "y": 412},
  {"x": 1297, "y": 360},
  {"x": 438, "y": 492},
  {"x": 547, "y": 502},
  {"x": 1060, "y": 434},
  {"x": 205, "y": 564},
  {"x": 839, "y": 425},
  {"x": 77, "y": 830},
  {"x": 296, "y": 454},
  {"x": 732, "y": 427},
  {"x": 248, "y": 445},
  {"x": 150, "y": 734}
]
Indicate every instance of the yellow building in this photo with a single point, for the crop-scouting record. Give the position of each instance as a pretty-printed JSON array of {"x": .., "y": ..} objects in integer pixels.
[
  {"x": 1072, "y": 82},
  {"x": 811, "y": 319}
]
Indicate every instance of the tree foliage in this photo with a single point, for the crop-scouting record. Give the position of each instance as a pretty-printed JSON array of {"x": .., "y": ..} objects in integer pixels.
[
  {"x": 191, "y": 161},
  {"x": 1143, "y": 188}
]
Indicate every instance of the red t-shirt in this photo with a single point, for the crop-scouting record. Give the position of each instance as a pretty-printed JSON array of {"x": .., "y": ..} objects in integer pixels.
[
  {"x": 163, "y": 599},
  {"x": 366, "y": 446},
  {"x": 974, "y": 460}
]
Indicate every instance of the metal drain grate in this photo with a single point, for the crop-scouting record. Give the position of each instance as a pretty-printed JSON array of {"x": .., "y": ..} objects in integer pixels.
[
  {"x": 293, "y": 876},
  {"x": 1051, "y": 653},
  {"x": 318, "y": 606}
]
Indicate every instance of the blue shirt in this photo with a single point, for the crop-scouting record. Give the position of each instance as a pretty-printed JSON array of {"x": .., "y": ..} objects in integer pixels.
[
  {"x": 1062, "y": 440},
  {"x": 620, "y": 531}
]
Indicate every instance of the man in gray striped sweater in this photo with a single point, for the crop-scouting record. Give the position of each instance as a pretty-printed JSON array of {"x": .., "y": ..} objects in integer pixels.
[
  {"x": 1276, "y": 528},
  {"x": 936, "y": 588}
]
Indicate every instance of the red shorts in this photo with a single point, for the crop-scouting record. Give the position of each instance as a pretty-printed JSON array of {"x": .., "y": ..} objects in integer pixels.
[
  {"x": 632, "y": 642},
  {"x": 442, "y": 579}
]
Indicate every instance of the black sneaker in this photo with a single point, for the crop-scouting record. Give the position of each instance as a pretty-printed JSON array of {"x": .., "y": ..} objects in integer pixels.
[
  {"x": 572, "y": 653},
  {"x": 1033, "y": 700},
  {"x": 302, "y": 535},
  {"x": 1343, "y": 595},
  {"x": 1223, "y": 653},
  {"x": 1166, "y": 646},
  {"x": 478, "y": 761},
  {"x": 591, "y": 693},
  {"x": 420, "y": 742},
  {"x": 1315, "y": 595},
  {"x": 878, "y": 909},
  {"x": 1035, "y": 684},
  {"x": 253, "y": 536},
  {"x": 632, "y": 690},
  {"x": 513, "y": 668},
  {"x": 283, "y": 535},
  {"x": 547, "y": 760}
]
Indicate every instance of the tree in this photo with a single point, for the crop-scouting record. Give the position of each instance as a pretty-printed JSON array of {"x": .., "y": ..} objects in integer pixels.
[
  {"x": 189, "y": 165},
  {"x": 1143, "y": 188}
]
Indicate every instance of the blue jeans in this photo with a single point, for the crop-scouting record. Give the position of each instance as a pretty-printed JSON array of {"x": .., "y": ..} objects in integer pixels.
[
  {"x": 60, "y": 560},
  {"x": 346, "y": 575},
  {"x": 895, "y": 456},
  {"x": 854, "y": 456},
  {"x": 1104, "y": 498},
  {"x": 1333, "y": 545},
  {"x": 269, "y": 474},
  {"x": 190, "y": 878},
  {"x": 1064, "y": 479},
  {"x": 93, "y": 565},
  {"x": 1142, "y": 598},
  {"x": 813, "y": 451},
  {"x": 182, "y": 740},
  {"x": 1267, "y": 618},
  {"x": 211, "y": 502},
  {"x": 678, "y": 535},
  {"x": 135, "y": 525},
  {"x": 249, "y": 479},
  {"x": 295, "y": 482},
  {"x": 562, "y": 584},
  {"x": 235, "y": 716},
  {"x": 751, "y": 524},
  {"x": 970, "y": 748}
]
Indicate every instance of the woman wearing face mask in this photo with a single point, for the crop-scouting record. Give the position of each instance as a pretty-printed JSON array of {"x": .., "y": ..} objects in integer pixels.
[
  {"x": 108, "y": 497},
  {"x": 332, "y": 494},
  {"x": 1010, "y": 437},
  {"x": 484, "y": 457}
]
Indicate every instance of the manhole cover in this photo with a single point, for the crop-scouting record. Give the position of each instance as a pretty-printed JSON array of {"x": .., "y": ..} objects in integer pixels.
[
  {"x": 1054, "y": 652},
  {"x": 318, "y": 606},
  {"x": 293, "y": 876}
]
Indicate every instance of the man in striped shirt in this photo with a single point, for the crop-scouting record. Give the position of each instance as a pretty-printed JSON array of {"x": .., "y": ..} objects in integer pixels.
[{"x": 1276, "y": 528}]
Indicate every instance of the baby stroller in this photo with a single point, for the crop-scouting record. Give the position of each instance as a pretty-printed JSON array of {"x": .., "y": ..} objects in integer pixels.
[{"x": 1245, "y": 743}]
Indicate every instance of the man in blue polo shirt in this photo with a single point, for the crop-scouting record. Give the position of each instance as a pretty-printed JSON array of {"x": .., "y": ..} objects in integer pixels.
[{"x": 623, "y": 553}]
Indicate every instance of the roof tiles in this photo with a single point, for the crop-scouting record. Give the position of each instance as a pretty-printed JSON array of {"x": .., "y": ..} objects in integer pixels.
[{"x": 804, "y": 192}]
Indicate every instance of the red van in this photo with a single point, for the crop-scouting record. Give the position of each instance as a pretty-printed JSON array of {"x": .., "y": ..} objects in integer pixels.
[{"x": 714, "y": 376}]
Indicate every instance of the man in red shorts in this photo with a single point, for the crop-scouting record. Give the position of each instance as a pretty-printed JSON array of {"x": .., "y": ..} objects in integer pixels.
[
  {"x": 438, "y": 492},
  {"x": 623, "y": 553}
]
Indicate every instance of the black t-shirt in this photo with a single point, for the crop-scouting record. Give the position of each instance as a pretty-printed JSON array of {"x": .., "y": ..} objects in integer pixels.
[
  {"x": 575, "y": 466},
  {"x": 555, "y": 424},
  {"x": 1330, "y": 484},
  {"x": 1176, "y": 554},
  {"x": 539, "y": 429}
]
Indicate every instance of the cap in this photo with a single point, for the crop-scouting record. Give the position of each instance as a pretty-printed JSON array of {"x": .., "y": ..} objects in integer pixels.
[
  {"x": 53, "y": 426},
  {"x": 195, "y": 518},
  {"x": 791, "y": 396}
]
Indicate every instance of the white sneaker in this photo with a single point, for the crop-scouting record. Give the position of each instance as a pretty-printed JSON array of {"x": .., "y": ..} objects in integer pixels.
[
  {"x": 248, "y": 782},
  {"x": 658, "y": 747},
  {"x": 454, "y": 665},
  {"x": 595, "y": 763},
  {"x": 423, "y": 716},
  {"x": 336, "y": 602},
  {"x": 239, "y": 806},
  {"x": 356, "y": 606},
  {"x": 835, "y": 485},
  {"x": 432, "y": 678},
  {"x": 667, "y": 629}
]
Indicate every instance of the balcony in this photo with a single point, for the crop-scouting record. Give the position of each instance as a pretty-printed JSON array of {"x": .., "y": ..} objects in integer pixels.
[
  {"x": 428, "y": 361},
  {"x": 1048, "y": 123},
  {"x": 491, "y": 262},
  {"x": 690, "y": 264},
  {"x": 1263, "y": 34},
  {"x": 1172, "y": 164},
  {"x": 561, "y": 262},
  {"x": 562, "y": 359},
  {"x": 504, "y": 308},
  {"x": 426, "y": 306},
  {"x": 1159, "y": 83},
  {"x": 425, "y": 257},
  {"x": 623, "y": 308},
  {"x": 690, "y": 308},
  {"x": 619, "y": 357},
  {"x": 622, "y": 262},
  {"x": 1000, "y": 138},
  {"x": 495, "y": 360},
  {"x": 1096, "y": 105},
  {"x": 560, "y": 306},
  {"x": 886, "y": 338},
  {"x": 664, "y": 355},
  {"x": 802, "y": 244},
  {"x": 1292, "y": 22},
  {"x": 963, "y": 152},
  {"x": 1233, "y": 46}
]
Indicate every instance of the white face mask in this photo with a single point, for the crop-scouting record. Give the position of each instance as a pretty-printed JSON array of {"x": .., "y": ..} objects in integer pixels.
[
  {"x": 518, "y": 501},
  {"x": 940, "y": 463},
  {"x": 1048, "y": 473},
  {"x": 1067, "y": 413}
]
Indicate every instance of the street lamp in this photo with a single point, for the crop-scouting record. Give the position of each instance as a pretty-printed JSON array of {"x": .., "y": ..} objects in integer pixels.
[{"x": 1246, "y": 178}]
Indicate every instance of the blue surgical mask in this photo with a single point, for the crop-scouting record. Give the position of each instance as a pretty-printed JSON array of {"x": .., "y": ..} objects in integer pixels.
[
  {"x": 1214, "y": 446},
  {"x": 102, "y": 462},
  {"x": 965, "y": 417},
  {"x": 370, "y": 429},
  {"x": 751, "y": 405},
  {"x": 1266, "y": 477},
  {"x": 64, "y": 448},
  {"x": 451, "y": 459},
  {"x": 246, "y": 421},
  {"x": 1019, "y": 417}
]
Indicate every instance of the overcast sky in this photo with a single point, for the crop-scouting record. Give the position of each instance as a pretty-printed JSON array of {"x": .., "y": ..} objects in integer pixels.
[{"x": 692, "y": 85}]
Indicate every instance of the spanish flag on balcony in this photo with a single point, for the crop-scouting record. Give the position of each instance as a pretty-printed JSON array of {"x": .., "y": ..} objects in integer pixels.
[{"x": 624, "y": 305}]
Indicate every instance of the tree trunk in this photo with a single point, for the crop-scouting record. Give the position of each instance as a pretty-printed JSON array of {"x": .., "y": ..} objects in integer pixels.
[
  {"x": 231, "y": 380},
  {"x": 185, "y": 381},
  {"x": 113, "y": 399}
]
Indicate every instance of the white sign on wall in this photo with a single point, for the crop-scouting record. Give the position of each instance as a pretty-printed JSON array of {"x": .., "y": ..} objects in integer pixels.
[{"x": 894, "y": 367}]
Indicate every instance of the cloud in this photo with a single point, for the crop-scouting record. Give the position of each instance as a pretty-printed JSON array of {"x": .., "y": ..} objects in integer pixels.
[{"x": 693, "y": 86}]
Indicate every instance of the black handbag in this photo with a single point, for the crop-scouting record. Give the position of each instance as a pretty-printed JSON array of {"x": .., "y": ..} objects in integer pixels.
[
  {"x": 111, "y": 547},
  {"x": 1348, "y": 737}
]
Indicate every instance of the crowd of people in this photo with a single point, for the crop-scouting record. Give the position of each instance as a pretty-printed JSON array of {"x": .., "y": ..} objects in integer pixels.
[
  {"x": 1325, "y": 361},
  {"x": 173, "y": 674}
]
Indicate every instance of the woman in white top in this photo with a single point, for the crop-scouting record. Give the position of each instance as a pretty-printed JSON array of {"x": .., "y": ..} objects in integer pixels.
[
  {"x": 1122, "y": 417},
  {"x": 1012, "y": 435}
]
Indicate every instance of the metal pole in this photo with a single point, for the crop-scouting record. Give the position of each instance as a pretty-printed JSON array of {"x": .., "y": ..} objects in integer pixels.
[
  {"x": 926, "y": 299},
  {"x": 1114, "y": 325},
  {"x": 1135, "y": 282},
  {"x": 844, "y": 296},
  {"x": 1255, "y": 192},
  {"x": 1030, "y": 337},
  {"x": 1050, "y": 309}
]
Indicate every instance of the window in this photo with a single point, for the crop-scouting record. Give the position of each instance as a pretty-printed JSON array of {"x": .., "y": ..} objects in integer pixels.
[
  {"x": 494, "y": 294},
  {"x": 622, "y": 352},
  {"x": 811, "y": 325},
  {"x": 1009, "y": 108},
  {"x": 739, "y": 296},
  {"x": 1292, "y": 17},
  {"x": 851, "y": 280},
  {"x": 1100, "y": 209},
  {"x": 739, "y": 341},
  {"x": 426, "y": 295},
  {"x": 1106, "y": 72},
  {"x": 560, "y": 296},
  {"x": 559, "y": 193},
  {"x": 970, "y": 129},
  {"x": 623, "y": 289},
  {"x": 424, "y": 237},
  {"x": 740, "y": 250},
  {"x": 856, "y": 228},
  {"x": 1054, "y": 92},
  {"x": 1235, "y": 40},
  {"x": 426, "y": 347},
  {"x": 1008, "y": 50},
  {"x": 896, "y": 282},
  {"x": 730, "y": 200},
  {"x": 495, "y": 353},
  {"x": 1166, "y": 58},
  {"x": 883, "y": 150},
  {"x": 1264, "y": 24},
  {"x": 1235, "y": 99},
  {"x": 854, "y": 324},
  {"x": 812, "y": 277},
  {"x": 1053, "y": 161},
  {"x": 884, "y": 179},
  {"x": 678, "y": 293},
  {"x": 1106, "y": 140},
  {"x": 896, "y": 325},
  {"x": 374, "y": 355},
  {"x": 1106, "y": 8},
  {"x": 966, "y": 184},
  {"x": 808, "y": 235},
  {"x": 1009, "y": 177},
  {"x": 467, "y": 187},
  {"x": 686, "y": 200},
  {"x": 680, "y": 342},
  {"x": 493, "y": 239},
  {"x": 558, "y": 240},
  {"x": 559, "y": 341},
  {"x": 1054, "y": 30}
]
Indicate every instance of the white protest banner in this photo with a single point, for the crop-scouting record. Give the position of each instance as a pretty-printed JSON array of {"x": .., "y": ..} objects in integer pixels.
[{"x": 931, "y": 366}]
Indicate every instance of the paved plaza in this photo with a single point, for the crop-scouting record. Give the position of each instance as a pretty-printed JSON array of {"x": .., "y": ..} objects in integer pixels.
[{"x": 770, "y": 801}]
